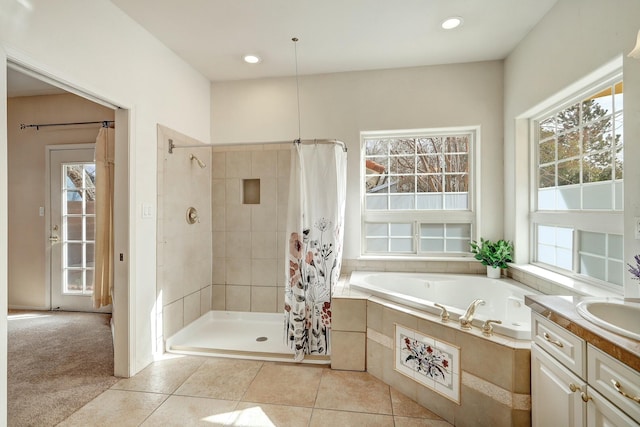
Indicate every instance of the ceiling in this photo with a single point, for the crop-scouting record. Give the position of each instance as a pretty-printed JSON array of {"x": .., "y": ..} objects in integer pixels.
[
  {"x": 19, "y": 84},
  {"x": 334, "y": 35}
]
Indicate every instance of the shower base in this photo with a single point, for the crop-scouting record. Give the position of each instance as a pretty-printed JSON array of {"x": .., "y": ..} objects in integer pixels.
[{"x": 239, "y": 335}]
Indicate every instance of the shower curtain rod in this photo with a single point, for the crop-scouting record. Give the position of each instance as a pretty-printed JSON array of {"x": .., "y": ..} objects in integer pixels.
[
  {"x": 172, "y": 145},
  {"x": 104, "y": 123},
  {"x": 322, "y": 141}
]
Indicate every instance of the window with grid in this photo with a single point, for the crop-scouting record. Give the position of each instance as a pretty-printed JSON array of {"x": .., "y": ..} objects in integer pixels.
[
  {"x": 417, "y": 192},
  {"x": 577, "y": 223},
  {"x": 78, "y": 227}
]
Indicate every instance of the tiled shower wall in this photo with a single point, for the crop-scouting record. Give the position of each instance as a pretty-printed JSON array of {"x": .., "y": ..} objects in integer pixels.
[
  {"x": 183, "y": 290},
  {"x": 248, "y": 252}
]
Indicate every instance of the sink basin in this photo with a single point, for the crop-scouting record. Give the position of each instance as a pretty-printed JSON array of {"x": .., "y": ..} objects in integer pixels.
[{"x": 613, "y": 314}]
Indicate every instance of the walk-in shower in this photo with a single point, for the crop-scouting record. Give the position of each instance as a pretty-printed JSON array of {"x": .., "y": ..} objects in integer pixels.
[{"x": 240, "y": 310}]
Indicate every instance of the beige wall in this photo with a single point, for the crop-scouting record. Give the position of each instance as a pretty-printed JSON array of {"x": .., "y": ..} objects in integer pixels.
[
  {"x": 28, "y": 184},
  {"x": 574, "y": 39},
  {"x": 342, "y": 105},
  {"x": 183, "y": 288},
  {"x": 248, "y": 252}
]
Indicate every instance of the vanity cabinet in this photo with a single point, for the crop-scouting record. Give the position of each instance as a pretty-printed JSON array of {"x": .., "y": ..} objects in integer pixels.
[
  {"x": 573, "y": 383},
  {"x": 555, "y": 392}
]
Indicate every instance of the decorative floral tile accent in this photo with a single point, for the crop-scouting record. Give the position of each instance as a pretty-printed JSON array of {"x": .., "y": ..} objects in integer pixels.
[{"x": 433, "y": 363}]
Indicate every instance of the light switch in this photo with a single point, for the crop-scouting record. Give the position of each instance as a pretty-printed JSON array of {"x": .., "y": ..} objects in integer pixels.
[
  {"x": 41, "y": 211},
  {"x": 147, "y": 211}
]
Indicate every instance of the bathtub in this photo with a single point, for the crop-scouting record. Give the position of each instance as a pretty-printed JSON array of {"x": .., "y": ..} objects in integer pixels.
[{"x": 504, "y": 297}]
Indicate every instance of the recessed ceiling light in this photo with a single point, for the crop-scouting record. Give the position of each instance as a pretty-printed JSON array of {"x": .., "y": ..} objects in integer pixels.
[
  {"x": 251, "y": 59},
  {"x": 451, "y": 23}
]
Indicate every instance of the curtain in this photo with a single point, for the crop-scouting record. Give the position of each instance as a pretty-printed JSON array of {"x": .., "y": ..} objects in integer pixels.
[
  {"x": 314, "y": 233},
  {"x": 103, "y": 280}
]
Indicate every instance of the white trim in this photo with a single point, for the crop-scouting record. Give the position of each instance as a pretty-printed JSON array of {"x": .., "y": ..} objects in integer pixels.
[
  {"x": 47, "y": 209},
  {"x": 605, "y": 221},
  {"x": 125, "y": 288},
  {"x": 21, "y": 63},
  {"x": 600, "y": 222}
]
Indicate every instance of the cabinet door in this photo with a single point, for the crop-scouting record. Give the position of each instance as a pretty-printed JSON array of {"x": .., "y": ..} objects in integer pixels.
[
  {"x": 602, "y": 413},
  {"x": 555, "y": 393}
]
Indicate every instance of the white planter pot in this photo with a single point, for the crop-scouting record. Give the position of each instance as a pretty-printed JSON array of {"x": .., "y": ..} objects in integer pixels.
[{"x": 493, "y": 272}]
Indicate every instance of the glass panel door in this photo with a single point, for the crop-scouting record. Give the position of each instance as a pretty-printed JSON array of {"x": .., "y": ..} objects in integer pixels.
[{"x": 72, "y": 229}]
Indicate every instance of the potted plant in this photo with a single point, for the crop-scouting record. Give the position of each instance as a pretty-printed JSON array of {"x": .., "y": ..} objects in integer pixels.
[{"x": 495, "y": 255}]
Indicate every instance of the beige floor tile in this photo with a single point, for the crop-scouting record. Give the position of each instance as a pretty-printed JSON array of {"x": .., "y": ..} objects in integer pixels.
[
  {"x": 324, "y": 418},
  {"x": 419, "y": 422},
  {"x": 116, "y": 408},
  {"x": 264, "y": 414},
  {"x": 405, "y": 407},
  {"x": 192, "y": 411},
  {"x": 285, "y": 384},
  {"x": 353, "y": 391},
  {"x": 220, "y": 379},
  {"x": 163, "y": 376}
]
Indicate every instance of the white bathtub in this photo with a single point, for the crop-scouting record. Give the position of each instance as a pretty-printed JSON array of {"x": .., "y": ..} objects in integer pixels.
[{"x": 504, "y": 298}]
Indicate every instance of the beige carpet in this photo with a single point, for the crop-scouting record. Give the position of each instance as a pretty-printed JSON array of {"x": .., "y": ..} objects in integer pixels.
[{"x": 57, "y": 362}]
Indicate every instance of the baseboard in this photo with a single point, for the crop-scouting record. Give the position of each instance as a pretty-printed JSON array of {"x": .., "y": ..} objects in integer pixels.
[{"x": 28, "y": 307}]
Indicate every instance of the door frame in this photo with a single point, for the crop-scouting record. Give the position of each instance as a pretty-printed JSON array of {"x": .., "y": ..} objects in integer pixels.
[
  {"x": 123, "y": 310},
  {"x": 47, "y": 208}
]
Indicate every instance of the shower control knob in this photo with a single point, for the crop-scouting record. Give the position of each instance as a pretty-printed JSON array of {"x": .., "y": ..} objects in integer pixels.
[{"x": 192, "y": 215}]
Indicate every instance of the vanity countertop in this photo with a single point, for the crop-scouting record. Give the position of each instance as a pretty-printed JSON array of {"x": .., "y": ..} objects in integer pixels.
[{"x": 562, "y": 311}]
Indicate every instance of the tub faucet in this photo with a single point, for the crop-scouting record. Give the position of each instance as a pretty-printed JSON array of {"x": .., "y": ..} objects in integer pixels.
[{"x": 465, "y": 321}]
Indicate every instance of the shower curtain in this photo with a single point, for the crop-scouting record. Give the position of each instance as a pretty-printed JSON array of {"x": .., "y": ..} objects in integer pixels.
[
  {"x": 104, "y": 157},
  {"x": 314, "y": 233}
]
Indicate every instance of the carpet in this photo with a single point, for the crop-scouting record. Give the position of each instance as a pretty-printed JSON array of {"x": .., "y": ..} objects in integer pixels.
[{"x": 57, "y": 362}]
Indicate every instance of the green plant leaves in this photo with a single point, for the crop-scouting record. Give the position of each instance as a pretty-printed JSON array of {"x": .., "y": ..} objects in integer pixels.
[{"x": 494, "y": 254}]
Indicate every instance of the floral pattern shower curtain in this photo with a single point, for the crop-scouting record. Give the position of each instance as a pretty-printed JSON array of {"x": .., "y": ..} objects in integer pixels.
[{"x": 317, "y": 193}]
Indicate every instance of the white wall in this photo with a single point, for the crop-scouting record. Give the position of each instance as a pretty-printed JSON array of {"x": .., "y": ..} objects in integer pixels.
[
  {"x": 3, "y": 238},
  {"x": 344, "y": 104},
  {"x": 97, "y": 48},
  {"x": 574, "y": 39}
]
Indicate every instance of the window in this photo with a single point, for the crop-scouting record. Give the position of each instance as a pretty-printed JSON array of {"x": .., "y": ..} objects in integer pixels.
[
  {"x": 417, "y": 192},
  {"x": 577, "y": 220},
  {"x": 78, "y": 227}
]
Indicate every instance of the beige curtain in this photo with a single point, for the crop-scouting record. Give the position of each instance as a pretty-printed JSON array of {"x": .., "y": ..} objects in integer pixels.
[{"x": 103, "y": 283}]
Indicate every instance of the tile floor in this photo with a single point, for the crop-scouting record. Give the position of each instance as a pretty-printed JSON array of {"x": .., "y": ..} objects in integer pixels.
[{"x": 190, "y": 391}]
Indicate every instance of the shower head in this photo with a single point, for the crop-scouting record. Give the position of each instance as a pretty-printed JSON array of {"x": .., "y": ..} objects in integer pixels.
[{"x": 200, "y": 162}]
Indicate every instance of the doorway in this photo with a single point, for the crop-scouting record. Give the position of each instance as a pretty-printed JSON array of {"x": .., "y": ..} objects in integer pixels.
[{"x": 30, "y": 260}]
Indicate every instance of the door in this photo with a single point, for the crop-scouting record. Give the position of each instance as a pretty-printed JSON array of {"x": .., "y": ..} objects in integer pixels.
[{"x": 72, "y": 228}]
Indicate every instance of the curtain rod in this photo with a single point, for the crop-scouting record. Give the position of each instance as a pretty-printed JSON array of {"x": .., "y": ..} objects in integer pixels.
[
  {"x": 172, "y": 145},
  {"x": 322, "y": 141},
  {"x": 104, "y": 123}
]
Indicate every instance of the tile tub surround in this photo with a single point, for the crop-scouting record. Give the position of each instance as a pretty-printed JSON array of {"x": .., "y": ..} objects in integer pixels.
[
  {"x": 495, "y": 371},
  {"x": 562, "y": 311}
]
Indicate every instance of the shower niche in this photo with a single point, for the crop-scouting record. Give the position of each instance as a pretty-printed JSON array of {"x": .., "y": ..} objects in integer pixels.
[{"x": 250, "y": 191}]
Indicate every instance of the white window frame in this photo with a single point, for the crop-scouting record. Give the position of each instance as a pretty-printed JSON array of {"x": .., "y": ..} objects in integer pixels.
[
  {"x": 469, "y": 216},
  {"x": 597, "y": 221}
]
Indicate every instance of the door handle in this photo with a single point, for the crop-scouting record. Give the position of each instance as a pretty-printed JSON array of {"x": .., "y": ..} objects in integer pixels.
[{"x": 54, "y": 237}]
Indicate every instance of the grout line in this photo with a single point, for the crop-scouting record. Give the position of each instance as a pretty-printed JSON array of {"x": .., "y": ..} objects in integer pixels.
[{"x": 262, "y": 365}]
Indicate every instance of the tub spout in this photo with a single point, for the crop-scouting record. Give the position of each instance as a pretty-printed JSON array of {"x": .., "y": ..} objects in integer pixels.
[{"x": 465, "y": 321}]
